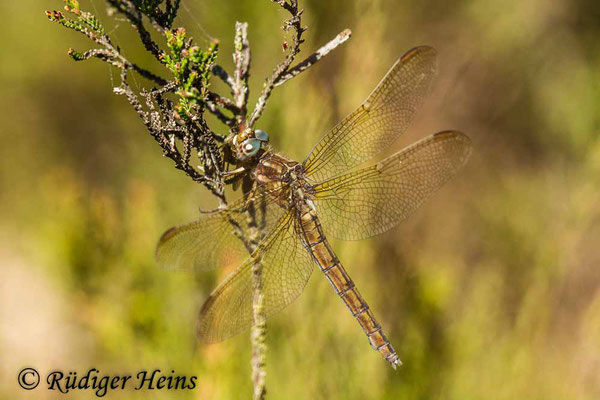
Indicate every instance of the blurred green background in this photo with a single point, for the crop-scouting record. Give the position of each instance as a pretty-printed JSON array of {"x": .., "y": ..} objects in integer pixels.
[{"x": 490, "y": 291}]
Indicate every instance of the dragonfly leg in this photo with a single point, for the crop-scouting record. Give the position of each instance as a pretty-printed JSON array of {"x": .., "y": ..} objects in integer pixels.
[{"x": 233, "y": 175}]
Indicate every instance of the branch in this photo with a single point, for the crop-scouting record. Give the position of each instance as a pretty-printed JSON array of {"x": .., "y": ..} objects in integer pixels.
[
  {"x": 224, "y": 102},
  {"x": 88, "y": 25},
  {"x": 241, "y": 59},
  {"x": 212, "y": 108},
  {"x": 314, "y": 57},
  {"x": 134, "y": 15},
  {"x": 294, "y": 22},
  {"x": 259, "y": 327},
  {"x": 165, "y": 133},
  {"x": 218, "y": 71},
  {"x": 258, "y": 335}
]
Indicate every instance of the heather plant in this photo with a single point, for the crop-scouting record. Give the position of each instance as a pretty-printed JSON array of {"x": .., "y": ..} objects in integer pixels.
[{"x": 174, "y": 106}]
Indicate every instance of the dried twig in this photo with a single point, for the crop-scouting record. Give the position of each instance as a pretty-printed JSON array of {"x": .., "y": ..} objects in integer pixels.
[
  {"x": 133, "y": 13},
  {"x": 241, "y": 59},
  {"x": 314, "y": 57},
  {"x": 220, "y": 72},
  {"x": 259, "y": 327},
  {"x": 294, "y": 22},
  {"x": 258, "y": 335}
]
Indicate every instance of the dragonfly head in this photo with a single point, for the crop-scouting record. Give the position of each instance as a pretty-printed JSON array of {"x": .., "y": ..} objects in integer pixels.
[{"x": 248, "y": 144}]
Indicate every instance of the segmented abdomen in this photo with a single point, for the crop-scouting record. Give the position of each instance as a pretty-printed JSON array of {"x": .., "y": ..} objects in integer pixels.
[{"x": 314, "y": 240}]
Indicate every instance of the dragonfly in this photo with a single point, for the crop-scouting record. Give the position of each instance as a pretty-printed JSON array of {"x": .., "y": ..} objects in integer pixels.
[{"x": 330, "y": 194}]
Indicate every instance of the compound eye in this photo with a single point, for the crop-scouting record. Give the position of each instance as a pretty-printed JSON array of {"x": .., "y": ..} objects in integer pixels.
[
  {"x": 250, "y": 147},
  {"x": 261, "y": 135}
]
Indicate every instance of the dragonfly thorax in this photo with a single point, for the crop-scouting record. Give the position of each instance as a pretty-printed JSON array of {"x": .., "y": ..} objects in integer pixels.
[{"x": 285, "y": 177}]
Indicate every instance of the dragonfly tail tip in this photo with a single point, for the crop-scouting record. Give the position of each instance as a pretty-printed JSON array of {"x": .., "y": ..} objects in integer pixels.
[{"x": 396, "y": 363}]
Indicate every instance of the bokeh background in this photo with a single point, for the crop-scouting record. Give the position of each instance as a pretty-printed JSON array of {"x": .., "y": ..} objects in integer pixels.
[{"x": 490, "y": 291}]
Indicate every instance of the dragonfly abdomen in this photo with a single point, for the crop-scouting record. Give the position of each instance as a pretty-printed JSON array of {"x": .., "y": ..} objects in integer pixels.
[{"x": 314, "y": 240}]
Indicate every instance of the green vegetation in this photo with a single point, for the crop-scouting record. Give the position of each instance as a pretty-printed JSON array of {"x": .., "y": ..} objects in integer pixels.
[
  {"x": 490, "y": 291},
  {"x": 191, "y": 68}
]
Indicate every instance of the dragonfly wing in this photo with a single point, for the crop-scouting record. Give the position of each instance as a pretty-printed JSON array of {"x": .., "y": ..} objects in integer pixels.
[
  {"x": 379, "y": 121},
  {"x": 287, "y": 266},
  {"x": 373, "y": 200},
  {"x": 210, "y": 241}
]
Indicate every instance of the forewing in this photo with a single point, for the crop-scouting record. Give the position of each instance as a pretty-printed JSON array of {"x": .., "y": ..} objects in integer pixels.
[
  {"x": 374, "y": 199},
  {"x": 379, "y": 121},
  {"x": 287, "y": 266},
  {"x": 210, "y": 241}
]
